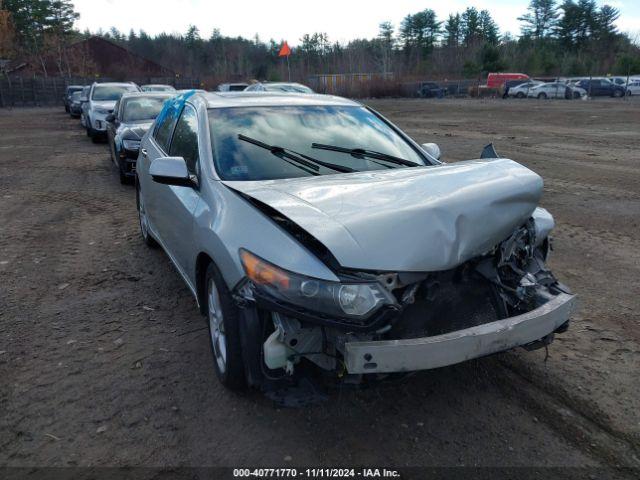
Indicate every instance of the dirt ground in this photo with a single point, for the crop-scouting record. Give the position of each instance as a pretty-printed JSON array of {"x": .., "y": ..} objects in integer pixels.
[{"x": 104, "y": 359}]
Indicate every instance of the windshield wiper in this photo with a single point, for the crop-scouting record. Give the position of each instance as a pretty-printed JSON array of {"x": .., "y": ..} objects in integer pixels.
[
  {"x": 362, "y": 153},
  {"x": 302, "y": 159}
]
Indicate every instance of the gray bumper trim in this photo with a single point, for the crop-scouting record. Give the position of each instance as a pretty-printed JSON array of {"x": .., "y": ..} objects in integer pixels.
[{"x": 455, "y": 347}]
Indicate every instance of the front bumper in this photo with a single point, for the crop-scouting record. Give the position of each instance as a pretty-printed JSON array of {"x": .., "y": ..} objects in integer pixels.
[
  {"x": 459, "y": 346},
  {"x": 99, "y": 121},
  {"x": 128, "y": 163}
]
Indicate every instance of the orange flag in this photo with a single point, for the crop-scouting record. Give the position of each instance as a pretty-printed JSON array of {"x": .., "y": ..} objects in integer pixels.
[{"x": 285, "y": 51}]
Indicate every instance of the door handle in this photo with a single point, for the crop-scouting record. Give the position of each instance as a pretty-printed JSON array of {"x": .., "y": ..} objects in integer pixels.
[{"x": 144, "y": 152}]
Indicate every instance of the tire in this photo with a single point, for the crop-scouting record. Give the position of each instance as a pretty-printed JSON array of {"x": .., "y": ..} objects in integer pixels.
[
  {"x": 576, "y": 95},
  {"x": 520, "y": 95},
  {"x": 143, "y": 221},
  {"x": 542, "y": 96},
  {"x": 224, "y": 331},
  {"x": 111, "y": 157},
  {"x": 124, "y": 180},
  {"x": 66, "y": 108},
  {"x": 617, "y": 94},
  {"x": 95, "y": 138}
]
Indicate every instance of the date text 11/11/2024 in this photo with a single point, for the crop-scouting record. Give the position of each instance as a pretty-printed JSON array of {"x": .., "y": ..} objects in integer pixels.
[{"x": 316, "y": 473}]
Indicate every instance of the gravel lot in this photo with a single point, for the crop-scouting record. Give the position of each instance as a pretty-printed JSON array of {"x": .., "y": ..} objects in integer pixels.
[{"x": 104, "y": 359}]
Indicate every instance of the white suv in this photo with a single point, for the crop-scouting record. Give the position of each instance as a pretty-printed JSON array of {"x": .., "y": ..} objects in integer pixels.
[{"x": 101, "y": 100}]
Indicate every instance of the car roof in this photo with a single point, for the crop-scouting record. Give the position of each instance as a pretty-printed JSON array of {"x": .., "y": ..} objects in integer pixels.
[
  {"x": 280, "y": 83},
  {"x": 156, "y": 85},
  {"x": 272, "y": 99},
  {"x": 148, "y": 94},
  {"x": 116, "y": 84}
]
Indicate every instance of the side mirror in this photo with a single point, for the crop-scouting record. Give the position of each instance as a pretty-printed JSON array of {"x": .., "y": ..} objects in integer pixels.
[
  {"x": 110, "y": 118},
  {"x": 172, "y": 171},
  {"x": 432, "y": 149},
  {"x": 489, "y": 151}
]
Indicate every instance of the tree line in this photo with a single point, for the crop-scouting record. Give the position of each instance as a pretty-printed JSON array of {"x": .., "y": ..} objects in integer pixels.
[{"x": 572, "y": 37}]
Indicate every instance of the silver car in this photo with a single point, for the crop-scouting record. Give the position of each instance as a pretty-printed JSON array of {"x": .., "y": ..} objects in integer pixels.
[
  {"x": 522, "y": 90},
  {"x": 158, "y": 88},
  {"x": 101, "y": 99},
  {"x": 232, "y": 87},
  {"x": 288, "y": 87},
  {"x": 556, "y": 90},
  {"x": 317, "y": 237}
]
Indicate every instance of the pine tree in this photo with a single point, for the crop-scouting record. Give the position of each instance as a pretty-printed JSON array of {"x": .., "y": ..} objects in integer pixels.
[
  {"x": 488, "y": 28},
  {"x": 471, "y": 31},
  {"x": 387, "y": 43},
  {"x": 540, "y": 20},
  {"x": 453, "y": 30}
]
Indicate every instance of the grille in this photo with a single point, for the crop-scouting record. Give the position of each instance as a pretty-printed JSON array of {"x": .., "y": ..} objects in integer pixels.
[{"x": 442, "y": 307}]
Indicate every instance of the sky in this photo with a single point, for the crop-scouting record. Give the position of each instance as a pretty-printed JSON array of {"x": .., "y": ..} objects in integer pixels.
[{"x": 342, "y": 20}]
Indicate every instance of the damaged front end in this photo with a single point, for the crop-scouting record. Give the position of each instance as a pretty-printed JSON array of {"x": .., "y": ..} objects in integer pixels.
[{"x": 381, "y": 322}]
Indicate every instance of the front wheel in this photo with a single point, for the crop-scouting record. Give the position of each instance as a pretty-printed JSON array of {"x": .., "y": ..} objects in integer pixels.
[
  {"x": 224, "y": 331},
  {"x": 542, "y": 96},
  {"x": 617, "y": 93},
  {"x": 143, "y": 220},
  {"x": 519, "y": 95}
]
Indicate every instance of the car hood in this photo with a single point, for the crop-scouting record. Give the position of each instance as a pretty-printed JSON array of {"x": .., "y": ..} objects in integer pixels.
[
  {"x": 106, "y": 104},
  {"x": 134, "y": 131},
  {"x": 412, "y": 219}
]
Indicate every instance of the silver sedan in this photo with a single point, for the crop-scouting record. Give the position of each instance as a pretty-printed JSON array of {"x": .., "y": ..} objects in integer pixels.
[
  {"x": 317, "y": 237},
  {"x": 522, "y": 90},
  {"x": 556, "y": 90}
]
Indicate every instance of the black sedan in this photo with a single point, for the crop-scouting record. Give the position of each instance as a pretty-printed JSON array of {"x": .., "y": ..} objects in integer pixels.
[
  {"x": 132, "y": 116},
  {"x": 66, "y": 97},
  {"x": 600, "y": 87},
  {"x": 431, "y": 90},
  {"x": 75, "y": 104}
]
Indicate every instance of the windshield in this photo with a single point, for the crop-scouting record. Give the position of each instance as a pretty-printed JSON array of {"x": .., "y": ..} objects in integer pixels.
[
  {"x": 142, "y": 108},
  {"x": 296, "y": 128},
  {"x": 158, "y": 88},
  {"x": 111, "y": 92}
]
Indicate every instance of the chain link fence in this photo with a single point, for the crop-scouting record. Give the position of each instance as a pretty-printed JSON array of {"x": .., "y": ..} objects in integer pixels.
[{"x": 48, "y": 91}]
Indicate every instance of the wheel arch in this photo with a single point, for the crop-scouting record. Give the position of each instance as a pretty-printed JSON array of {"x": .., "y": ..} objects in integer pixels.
[{"x": 203, "y": 260}]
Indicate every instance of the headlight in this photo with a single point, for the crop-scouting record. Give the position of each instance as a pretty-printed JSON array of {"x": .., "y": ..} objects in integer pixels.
[
  {"x": 356, "y": 301},
  {"x": 102, "y": 111},
  {"x": 132, "y": 145}
]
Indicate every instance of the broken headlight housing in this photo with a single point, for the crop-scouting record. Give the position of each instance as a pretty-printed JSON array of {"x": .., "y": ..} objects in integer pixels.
[{"x": 356, "y": 301}]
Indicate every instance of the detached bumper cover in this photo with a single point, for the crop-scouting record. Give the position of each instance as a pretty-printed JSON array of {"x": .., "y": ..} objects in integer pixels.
[{"x": 459, "y": 346}]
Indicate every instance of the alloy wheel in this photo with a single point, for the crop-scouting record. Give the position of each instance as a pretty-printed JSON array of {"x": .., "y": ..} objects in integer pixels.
[{"x": 216, "y": 327}]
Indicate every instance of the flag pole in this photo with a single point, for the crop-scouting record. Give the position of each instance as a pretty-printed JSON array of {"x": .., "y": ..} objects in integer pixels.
[
  {"x": 288, "y": 68},
  {"x": 285, "y": 51}
]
